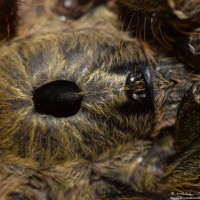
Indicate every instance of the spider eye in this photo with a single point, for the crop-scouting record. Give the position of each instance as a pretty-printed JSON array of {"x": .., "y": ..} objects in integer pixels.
[
  {"x": 132, "y": 77},
  {"x": 58, "y": 98}
]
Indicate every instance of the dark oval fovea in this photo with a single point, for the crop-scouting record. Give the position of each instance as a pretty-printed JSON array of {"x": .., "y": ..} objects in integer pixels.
[{"x": 59, "y": 98}]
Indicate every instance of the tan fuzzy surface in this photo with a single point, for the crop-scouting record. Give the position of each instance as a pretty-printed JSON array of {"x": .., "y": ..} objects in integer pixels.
[{"x": 136, "y": 133}]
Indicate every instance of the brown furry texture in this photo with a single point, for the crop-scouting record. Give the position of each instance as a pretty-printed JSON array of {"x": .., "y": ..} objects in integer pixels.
[{"x": 118, "y": 145}]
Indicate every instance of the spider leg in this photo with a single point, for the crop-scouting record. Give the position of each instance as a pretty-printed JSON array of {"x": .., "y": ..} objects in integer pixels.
[
  {"x": 8, "y": 18},
  {"x": 182, "y": 172},
  {"x": 173, "y": 24}
]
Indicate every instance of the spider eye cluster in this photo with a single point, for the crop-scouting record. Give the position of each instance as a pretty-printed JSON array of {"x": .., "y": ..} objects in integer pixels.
[
  {"x": 59, "y": 98},
  {"x": 139, "y": 90},
  {"x": 136, "y": 86}
]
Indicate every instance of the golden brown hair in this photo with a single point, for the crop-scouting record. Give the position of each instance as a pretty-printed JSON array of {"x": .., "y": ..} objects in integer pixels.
[{"x": 93, "y": 104}]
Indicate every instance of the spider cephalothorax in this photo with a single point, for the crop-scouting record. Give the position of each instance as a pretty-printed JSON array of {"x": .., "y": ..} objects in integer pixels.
[{"x": 90, "y": 111}]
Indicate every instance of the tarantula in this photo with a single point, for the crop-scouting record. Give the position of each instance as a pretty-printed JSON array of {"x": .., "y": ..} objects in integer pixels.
[{"x": 99, "y": 99}]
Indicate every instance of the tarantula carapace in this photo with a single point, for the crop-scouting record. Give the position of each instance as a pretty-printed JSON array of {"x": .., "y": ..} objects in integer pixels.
[{"x": 99, "y": 99}]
